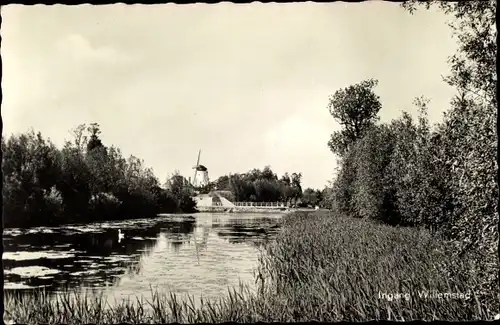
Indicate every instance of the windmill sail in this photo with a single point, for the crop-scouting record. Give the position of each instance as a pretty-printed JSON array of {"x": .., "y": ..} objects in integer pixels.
[{"x": 196, "y": 167}]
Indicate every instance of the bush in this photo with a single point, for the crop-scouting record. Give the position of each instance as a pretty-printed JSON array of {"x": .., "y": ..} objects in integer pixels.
[
  {"x": 342, "y": 191},
  {"x": 372, "y": 156},
  {"x": 31, "y": 167},
  {"x": 469, "y": 136},
  {"x": 104, "y": 204},
  {"x": 403, "y": 173}
]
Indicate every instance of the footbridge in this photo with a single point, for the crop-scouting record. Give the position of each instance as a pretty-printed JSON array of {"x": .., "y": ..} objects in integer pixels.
[{"x": 214, "y": 202}]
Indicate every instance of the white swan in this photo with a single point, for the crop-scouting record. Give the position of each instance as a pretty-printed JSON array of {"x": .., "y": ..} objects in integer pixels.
[{"x": 120, "y": 235}]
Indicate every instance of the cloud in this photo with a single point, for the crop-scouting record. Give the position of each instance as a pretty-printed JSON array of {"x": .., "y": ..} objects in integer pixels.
[
  {"x": 78, "y": 48},
  {"x": 249, "y": 84},
  {"x": 297, "y": 133}
]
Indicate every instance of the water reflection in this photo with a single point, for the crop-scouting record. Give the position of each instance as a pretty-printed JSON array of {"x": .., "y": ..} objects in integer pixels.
[
  {"x": 201, "y": 255},
  {"x": 237, "y": 231}
]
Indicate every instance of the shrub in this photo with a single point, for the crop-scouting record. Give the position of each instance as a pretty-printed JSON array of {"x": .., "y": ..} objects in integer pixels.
[
  {"x": 372, "y": 156},
  {"x": 104, "y": 205},
  {"x": 469, "y": 135}
]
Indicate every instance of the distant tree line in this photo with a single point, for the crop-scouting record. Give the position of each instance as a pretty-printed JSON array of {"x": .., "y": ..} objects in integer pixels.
[
  {"x": 264, "y": 186},
  {"x": 259, "y": 186},
  {"x": 85, "y": 181},
  {"x": 443, "y": 176}
]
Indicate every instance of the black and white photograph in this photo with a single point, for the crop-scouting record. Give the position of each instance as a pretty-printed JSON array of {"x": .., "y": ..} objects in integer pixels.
[{"x": 250, "y": 162}]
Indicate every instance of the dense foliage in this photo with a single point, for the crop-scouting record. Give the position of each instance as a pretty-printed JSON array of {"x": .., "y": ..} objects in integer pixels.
[
  {"x": 312, "y": 197},
  {"x": 355, "y": 108},
  {"x": 82, "y": 182},
  {"x": 265, "y": 186},
  {"x": 259, "y": 186},
  {"x": 443, "y": 176}
]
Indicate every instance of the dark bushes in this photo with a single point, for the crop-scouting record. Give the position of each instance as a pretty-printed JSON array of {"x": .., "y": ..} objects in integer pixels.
[
  {"x": 402, "y": 173},
  {"x": 445, "y": 177},
  {"x": 79, "y": 183}
]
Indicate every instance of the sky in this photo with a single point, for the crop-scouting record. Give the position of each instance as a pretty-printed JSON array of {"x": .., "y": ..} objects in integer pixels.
[{"x": 247, "y": 84}]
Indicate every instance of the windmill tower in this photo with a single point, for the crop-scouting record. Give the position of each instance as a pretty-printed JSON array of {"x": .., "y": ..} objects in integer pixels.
[{"x": 203, "y": 180}]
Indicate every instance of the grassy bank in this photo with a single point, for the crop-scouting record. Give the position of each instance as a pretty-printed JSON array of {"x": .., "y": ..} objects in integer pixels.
[
  {"x": 332, "y": 268},
  {"x": 321, "y": 267}
]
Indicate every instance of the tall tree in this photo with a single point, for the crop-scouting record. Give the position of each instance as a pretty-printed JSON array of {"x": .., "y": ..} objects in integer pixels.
[
  {"x": 94, "y": 140},
  {"x": 285, "y": 179},
  {"x": 177, "y": 184},
  {"x": 296, "y": 184},
  {"x": 80, "y": 139},
  {"x": 355, "y": 108}
]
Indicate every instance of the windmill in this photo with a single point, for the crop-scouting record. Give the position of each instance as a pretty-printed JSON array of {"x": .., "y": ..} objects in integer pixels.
[{"x": 203, "y": 170}]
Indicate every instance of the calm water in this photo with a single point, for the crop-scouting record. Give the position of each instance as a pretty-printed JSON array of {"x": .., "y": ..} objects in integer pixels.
[{"x": 199, "y": 254}]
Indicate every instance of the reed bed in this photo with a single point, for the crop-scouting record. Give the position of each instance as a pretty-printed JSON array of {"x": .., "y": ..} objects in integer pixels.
[
  {"x": 320, "y": 268},
  {"x": 329, "y": 268}
]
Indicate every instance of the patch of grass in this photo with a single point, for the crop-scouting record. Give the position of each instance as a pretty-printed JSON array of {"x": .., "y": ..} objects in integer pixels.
[
  {"x": 72, "y": 307},
  {"x": 321, "y": 267},
  {"x": 330, "y": 268}
]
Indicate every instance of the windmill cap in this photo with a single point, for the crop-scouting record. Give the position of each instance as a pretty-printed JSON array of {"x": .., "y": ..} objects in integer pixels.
[{"x": 200, "y": 168}]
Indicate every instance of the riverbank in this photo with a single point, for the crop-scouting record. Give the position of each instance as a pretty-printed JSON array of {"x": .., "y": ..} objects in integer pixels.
[
  {"x": 214, "y": 209},
  {"x": 321, "y": 267},
  {"x": 250, "y": 209}
]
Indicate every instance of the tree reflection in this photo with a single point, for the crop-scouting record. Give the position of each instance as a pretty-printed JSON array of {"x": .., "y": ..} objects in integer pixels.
[
  {"x": 78, "y": 255},
  {"x": 91, "y": 255}
]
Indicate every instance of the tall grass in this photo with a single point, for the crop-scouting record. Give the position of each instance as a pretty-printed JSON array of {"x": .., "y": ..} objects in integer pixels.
[
  {"x": 321, "y": 267},
  {"x": 329, "y": 268}
]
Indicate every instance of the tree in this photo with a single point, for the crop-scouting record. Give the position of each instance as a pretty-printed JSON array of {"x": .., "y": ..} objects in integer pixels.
[
  {"x": 311, "y": 197},
  {"x": 180, "y": 189},
  {"x": 268, "y": 174},
  {"x": 82, "y": 182},
  {"x": 222, "y": 183},
  {"x": 285, "y": 179},
  {"x": 468, "y": 135},
  {"x": 177, "y": 184},
  {"x": 80, "y": 139},
  {"x": 236, "y": 186},
  {"x": 355, "y": 108},
  {"x": 327, "y": 196},
  {"x": 266, "y": 190},
  {"x": 296, "y": 180},
  {"x": 94, "y": 140},
  {"x": 261, "y": 186},
  {"x": 74, "y": 183},
  {"x": 31, "y": 168},
  {"x": 319, "y": 197}
]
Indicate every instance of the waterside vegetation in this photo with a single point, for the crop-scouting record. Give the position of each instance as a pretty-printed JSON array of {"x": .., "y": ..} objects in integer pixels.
[
  {"x": 83, "y": 182},
  {"x": 442, "y": 177},
  {"x": 322, "y": 267}
]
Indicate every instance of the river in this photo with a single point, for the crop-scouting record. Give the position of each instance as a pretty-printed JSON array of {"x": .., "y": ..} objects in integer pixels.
[{"x": 200, "y": 254}]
